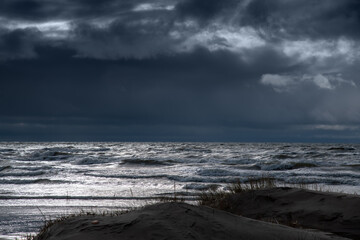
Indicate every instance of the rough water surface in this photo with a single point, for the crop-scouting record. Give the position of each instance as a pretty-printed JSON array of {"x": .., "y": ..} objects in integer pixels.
[{"x": 45, "y": 180}]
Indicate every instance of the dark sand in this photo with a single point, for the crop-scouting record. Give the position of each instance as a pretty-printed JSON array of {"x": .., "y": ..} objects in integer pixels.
[
  {"x": 330, "y": 212},
  {"x": 336, "y": 213}
]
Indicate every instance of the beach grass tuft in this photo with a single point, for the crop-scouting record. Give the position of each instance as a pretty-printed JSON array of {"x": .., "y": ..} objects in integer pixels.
[
  {"x": 218, "y": 198},
  {"x": 42, "y": 234}
]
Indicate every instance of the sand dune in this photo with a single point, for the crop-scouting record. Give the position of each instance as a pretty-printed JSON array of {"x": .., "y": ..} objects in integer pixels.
[
  {"x": 331, "y": 212},
  {"x": 175, "y": 221}
]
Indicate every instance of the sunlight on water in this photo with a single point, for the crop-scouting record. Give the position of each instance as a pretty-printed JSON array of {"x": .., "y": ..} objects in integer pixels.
[{"x": 53, "y": 179}]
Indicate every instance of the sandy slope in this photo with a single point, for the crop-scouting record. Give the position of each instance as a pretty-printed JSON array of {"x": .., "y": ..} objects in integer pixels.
[
  {"x": 330, "y": 212},
  {"x": 175, "y": 221}
]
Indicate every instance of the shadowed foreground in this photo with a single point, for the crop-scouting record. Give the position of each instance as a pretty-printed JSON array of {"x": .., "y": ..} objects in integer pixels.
[
  {"x": 174, "y": 221},
  {"x": 330, "y": 212}
]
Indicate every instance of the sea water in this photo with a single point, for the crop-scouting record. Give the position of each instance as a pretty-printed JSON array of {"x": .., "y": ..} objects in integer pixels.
[{"x": 41, "y": 181}]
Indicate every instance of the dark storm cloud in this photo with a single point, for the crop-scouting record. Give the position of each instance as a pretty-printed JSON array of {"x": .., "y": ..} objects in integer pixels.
[
  {"x": 23, "y": 9},
  {"x": 203, "y": 9},
  {"x": 36, "y": 10},
  {"x": 114, "y": 29},
  {"x": 125, "y": 38},
  {"x": 309, "y": 18},
  {"x": 179, "y": 70},
  {"x": 140, "y": 89},
  {"x": 18, "y": 43}
]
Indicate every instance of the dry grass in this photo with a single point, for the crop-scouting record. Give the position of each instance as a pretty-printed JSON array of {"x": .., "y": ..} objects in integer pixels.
[
  {"x": 215, "y": 198},
  {"x": 219, "y": 199},
  {"x": 48, "y": 223}
]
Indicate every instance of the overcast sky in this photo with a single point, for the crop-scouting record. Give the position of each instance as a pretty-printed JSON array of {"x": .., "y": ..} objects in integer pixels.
[{"x": 180, "y": 70}]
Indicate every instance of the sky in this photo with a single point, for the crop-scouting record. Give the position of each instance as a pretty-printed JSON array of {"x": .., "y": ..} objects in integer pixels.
[{"x": 180, "y": 70}]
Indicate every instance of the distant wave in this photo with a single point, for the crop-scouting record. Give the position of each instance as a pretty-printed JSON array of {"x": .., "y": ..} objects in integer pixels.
[
  {"x": 237, "y": 161},
  {"x": 127, "y": 176},
  {"x": 6, "y": 150},
  {"x": 22, "y": 174},
  {"x": 286, "y": 166},
  {"x": 2, "y": 168},
  {"x": 354, "y": 166},
  {"x": 8, "y": 197},
  {"x": 341, "y": 149},
  {"x": 100, "y": 149},
  {"x": 31, "y": 181},
  {"x": 205, "y": 179},
  {"x": 193, "y": 148},
  {"x": 90, "y": 161},
  {"x": 201, "y": 187},
  {"x": 322, "y": 180},
  {"x": 50, "y": 155},
  {"x": 285, "y": 156},
  {"x": 316, "y": 154},
  {"x": 216, "y": 172},
  {"x": 137, "y": 161},
  {"x": 28, "y": 168}
]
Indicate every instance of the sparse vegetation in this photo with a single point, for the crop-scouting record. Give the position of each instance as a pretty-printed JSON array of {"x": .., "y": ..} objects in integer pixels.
[
  {"x": 214, "y": 197},
  {"x": 50, "y": 222},
  {"x": 174, "y": 198},
  {"x": 217, "y": 198}
]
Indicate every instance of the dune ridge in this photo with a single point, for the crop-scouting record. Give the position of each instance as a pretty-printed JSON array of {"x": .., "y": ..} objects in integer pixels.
[{"x": 177, "y": 220}]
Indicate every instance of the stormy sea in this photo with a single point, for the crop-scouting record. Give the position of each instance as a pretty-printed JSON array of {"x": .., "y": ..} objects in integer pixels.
[{"x": 41, "y": 181}]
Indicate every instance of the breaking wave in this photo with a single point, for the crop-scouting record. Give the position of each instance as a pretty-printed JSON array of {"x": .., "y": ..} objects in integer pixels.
[
  {"x": 278, "y": 166},
  {"x": 216, "y": 172}
]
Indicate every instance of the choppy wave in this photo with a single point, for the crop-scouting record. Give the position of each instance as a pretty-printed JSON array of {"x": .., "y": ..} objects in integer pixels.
[
  {"x": 216, "y": 172},
  {"x": 6, "y": 150},
  {"x": 31, "y": 168},
  {"x": 49, "y": 155},
  {"x": 322, "y": 180},
  {"x": 237, "y": 161},
  {"x": 353, "y": 166},
  {"x": 285, "y": 156},
  {"x": 100, "y": 149},
  {"x": 127, "y": 176},
  {"x": 150, "y": 162},
  {"x": 223, "y": 179},
  {"x": 201, "y": 187},
  {"x": 22, "y": 174},
  {"x": 342, "y": 149},
  {"x": 91, "y": 172},
  {"x": 91, "y": 161},
  {"x": 2, "y": 168},
  {"x": 278, "y": 166},
  {"x": 32, "y": 181}
]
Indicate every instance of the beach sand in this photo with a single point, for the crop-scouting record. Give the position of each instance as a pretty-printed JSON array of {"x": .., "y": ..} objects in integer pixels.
[
  {"x": 183, "y": 221},
  {"x": 330, "y": 212}
]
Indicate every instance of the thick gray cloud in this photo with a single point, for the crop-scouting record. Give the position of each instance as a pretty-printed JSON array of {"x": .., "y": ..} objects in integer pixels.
[
  {"x": 229, "y": 70},
  {"x": 35, "y": 10},
  {"x": 203, "y": 9},
  {"x": 18, "y": 43},
  {"x": 123, "y": 39},
  {"x": 309, "y": 18}
]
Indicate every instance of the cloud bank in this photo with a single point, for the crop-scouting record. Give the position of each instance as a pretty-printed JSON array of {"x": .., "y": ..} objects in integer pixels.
[{"x": 247, "y": 70}]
